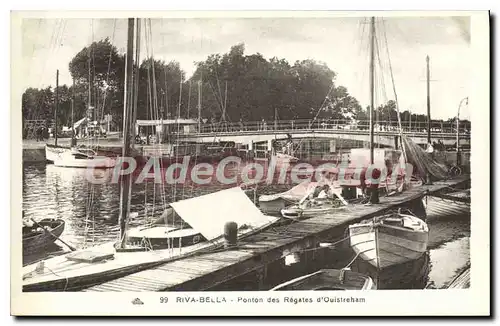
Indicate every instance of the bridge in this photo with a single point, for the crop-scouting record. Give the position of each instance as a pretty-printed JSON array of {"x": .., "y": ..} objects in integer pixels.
[{"x": 384, "y": 133}]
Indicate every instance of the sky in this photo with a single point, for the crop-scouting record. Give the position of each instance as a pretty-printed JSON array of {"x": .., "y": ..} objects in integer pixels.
[{"x": 341, "y": 42}]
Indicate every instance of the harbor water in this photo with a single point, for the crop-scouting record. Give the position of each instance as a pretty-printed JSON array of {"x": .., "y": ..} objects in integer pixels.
[{"x": 91, "y": 213}]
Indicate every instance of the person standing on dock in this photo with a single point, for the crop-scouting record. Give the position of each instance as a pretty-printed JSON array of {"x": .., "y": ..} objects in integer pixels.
[{"x": 370, "y": 189}]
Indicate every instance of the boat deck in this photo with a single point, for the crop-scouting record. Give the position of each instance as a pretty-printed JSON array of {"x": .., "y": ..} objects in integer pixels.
[{"x": 208, "y": 270}]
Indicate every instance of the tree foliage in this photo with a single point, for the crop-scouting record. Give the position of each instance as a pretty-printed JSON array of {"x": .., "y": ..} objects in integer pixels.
[{"x": 245, "y": 87}]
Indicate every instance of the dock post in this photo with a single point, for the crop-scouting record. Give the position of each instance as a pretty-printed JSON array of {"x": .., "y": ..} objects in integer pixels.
[{"x": 261, "y": 277}]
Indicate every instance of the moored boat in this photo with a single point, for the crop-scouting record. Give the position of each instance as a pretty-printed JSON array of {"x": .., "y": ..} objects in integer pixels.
[
  {"x": 38, "y": 237},
  {"x": 53, "y": 152},
  {"x": 206, "y": 214},
  {"x": 314, "y": 208},
  {"x": 389, "y": 240},
  {"x": 273, "y": 204},
  {"x": 328, "y": 280},
  {"x": 76, "y": 158},
  {"x": 163, "y": 236}
]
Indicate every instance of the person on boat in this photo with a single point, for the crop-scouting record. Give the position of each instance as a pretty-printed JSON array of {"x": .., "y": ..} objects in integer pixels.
[
  {"x": 27, "y": 223},
  {"x": 308, "y": 199},
  {"x": 325, "y": 193}
]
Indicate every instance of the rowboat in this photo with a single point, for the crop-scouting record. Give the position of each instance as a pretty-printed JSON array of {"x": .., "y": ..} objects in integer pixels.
[
  {"x": 328, "y": 280},
  {"x": 77, "y": 158},
  {"x": 36, "y": 239},
  {"x": 316, "y": 207},
  {"x": 389, "y": 240},
  {"x": 207, "y": 214}
]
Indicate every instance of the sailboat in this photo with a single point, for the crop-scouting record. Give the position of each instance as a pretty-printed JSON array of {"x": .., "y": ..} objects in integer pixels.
[
  {"x": 394, "y": 238},
  {"x": 73, "y": 156},
  {"x": 53, "y": 152},
  {"x": 208, "y": 217}
]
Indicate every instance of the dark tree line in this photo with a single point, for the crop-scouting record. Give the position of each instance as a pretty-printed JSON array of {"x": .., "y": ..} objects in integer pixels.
[{"x": 244, "y": 87}]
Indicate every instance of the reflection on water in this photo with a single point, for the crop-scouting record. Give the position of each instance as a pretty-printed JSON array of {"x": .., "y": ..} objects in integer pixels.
[
  {"x": 448, "y": 261},
  {"x": 91, "y": 214},
  {"x": 91, "y": 210}
]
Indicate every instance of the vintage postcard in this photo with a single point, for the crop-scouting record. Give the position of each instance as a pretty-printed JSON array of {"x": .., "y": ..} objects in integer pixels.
[{"x": 236, "y": 163}]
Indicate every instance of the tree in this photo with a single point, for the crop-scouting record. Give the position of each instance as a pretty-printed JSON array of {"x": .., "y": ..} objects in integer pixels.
[
  {"x": 340, "y": 105},
  {"x": 101, "y": 69}
]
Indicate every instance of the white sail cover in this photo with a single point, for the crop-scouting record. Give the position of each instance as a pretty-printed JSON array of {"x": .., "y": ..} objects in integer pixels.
[
  {"x": 296, "y": 193},
  {"x": 208, "y": 214}
]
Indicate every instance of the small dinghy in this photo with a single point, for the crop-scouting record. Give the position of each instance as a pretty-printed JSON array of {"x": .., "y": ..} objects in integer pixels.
[
  {"x": 36, "y": 238},
  {"x": 390, "y": 239},
  {"x": 328, "y": 280},
  {"x": 313, "y": 208}
]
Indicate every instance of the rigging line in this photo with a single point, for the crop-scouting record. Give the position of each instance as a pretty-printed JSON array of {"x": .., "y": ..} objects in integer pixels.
[
  {"x": 155, "y": 98},
  {"x": 157, "y": 117},
  {"x": 94, "y": 88},
  {"x": 51, "y": 48},
  {"x": 394, "y": 90},
  {"x": 154, "y": 111},
  {"x": 383, "y": 98},
  {"x": 215, "y": 95},
  {"x": 149, "y": 112},
  {"x": 189, "y": 99},
  {"x": 90, "y": 195},
  {"x": 155, "y": 102},
  {"x": 109, "y": 71},
  {"x": 57, "y": 33},
  {"x": 178, "y": 128},
  {"x": 219, "y": 99},
  {"x": 317, "y": 113}
]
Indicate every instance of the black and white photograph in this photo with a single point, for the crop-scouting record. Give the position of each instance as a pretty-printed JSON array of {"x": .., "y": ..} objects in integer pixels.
[{"x": 257, "y": 158}]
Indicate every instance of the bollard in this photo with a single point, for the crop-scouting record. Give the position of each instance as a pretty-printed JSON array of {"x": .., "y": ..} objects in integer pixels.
[{"x": 230, "y": 234}]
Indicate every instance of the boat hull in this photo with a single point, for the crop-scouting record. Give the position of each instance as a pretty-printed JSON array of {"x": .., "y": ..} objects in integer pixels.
[
  {"x": 104, "y": 163},
  {"x": 163, "y": 237},
  {"x": 295, "y": 212},
  {"x": 273, "y": 206},
  {"x": 63, "y": 274},
  {"x": 327, "y": 280},
  {"x": 53, "y": 153},
  {"x": 383, "y": 246},
  {"x": 37, "y": 243}
]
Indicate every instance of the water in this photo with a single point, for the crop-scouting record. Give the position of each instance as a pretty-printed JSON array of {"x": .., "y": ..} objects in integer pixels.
[
  {"x": 55, "y": 192},
  {"x": 90, "y": 210}
]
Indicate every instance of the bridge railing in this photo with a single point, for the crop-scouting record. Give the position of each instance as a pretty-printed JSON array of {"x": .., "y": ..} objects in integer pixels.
[{"x": 359, "y": 125}]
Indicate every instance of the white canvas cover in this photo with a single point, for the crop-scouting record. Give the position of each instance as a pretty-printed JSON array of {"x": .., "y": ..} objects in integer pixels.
[
  {"x": 296, "y": 193},
  {"x": 208, "y": 214}
]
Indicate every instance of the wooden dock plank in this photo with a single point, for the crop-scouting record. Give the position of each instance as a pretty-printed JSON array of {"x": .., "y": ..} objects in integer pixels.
[{"x": 204, "y": 271}]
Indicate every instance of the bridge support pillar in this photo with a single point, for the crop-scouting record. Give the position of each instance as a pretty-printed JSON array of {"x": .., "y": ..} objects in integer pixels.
[
  {"x": 250, "y": 145},
  {"x": 396, "y": 142},
  {"x": 269, "y": 144},
  {"x": 333, "y": 146}
]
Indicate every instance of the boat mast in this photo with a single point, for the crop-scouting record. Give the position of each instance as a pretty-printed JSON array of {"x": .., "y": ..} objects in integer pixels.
[
  {"x": 199, "y": 105},
  {"x": 428, "y": 102},
  {"x": 372, "y": 84},
  {"x": 466, "y": 99},
  {"x": 57, "y": 107},
  {"x": 72, "y": 110},
  {"x": 89, "y": 116},
  {"x": 136, "y": 78},
  {"x": 126, "y": 186}
]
